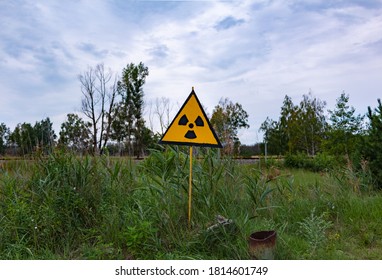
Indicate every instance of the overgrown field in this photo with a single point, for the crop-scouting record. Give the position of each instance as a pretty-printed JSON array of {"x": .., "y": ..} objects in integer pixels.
[{"x": 67, "y": 207}]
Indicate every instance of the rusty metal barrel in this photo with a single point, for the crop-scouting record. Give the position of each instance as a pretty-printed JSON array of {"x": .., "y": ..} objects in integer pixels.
[{"x": 262, "y": 244}]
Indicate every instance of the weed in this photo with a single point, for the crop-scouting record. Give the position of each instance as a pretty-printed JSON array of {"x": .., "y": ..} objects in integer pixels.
[
  {"x": 69, "y": 207},
  {"x": 314, "y": 228}
]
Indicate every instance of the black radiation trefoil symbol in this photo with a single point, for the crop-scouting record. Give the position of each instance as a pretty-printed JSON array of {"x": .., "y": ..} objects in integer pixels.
[{"x": 184, "y": 121}]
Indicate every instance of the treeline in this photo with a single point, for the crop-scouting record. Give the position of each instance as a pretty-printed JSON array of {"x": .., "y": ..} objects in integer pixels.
[
  {"x": 112, "y": 120},
  {"x": 27, "y": 138},
  {"x": 74, "y": 136},
  {"x": 306, "y": 128},
  {"x": 112, "y": 110},
  {"x": 306, "y": 131}
]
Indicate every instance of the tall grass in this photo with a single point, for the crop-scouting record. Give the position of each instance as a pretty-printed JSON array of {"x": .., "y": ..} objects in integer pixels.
[{"x": 70, "y": 207}]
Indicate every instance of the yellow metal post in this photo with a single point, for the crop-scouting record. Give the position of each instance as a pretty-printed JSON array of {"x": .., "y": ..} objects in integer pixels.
[{"x": 190, "y": 190}]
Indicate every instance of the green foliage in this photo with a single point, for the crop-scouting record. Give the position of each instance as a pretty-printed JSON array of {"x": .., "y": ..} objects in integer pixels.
[
  {"x": 258, "y": 190},
  {"x": 227, "y": 118},
  {"x": 312, "y": 123},
  {"x": 69, "y": 207},
  {"x": 129, "y": 124},
  {"x": 4, "y": 134},
  {"x": 45, "y": 135},
  {"x": 277, "y": 144},
  {"x": 373, "y": 147},
  {"x": 37, "y": 138},
  {"x": 320, "y": 162},
  {"x": 140, "y": 239},
  {"x": 313, "y": 228},
  {"x": 358, "y": 178},
  {"x": 296, "y": 161},
  {"x": 24, "y": 137},
  {"x": 248, "y": 151},
  {"x": 345, "y": 129},
  {"x": 114, "y": 109},
  {"x": 299, "y": 128},
  {"x": 75, "y": 134}
]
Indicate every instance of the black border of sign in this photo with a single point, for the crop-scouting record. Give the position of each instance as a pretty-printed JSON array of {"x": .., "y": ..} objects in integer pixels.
[{"x": 218, "y": 145}]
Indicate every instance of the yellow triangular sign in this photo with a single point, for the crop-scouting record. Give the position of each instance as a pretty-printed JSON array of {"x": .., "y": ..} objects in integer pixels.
[{"x": 191, "y": 126}]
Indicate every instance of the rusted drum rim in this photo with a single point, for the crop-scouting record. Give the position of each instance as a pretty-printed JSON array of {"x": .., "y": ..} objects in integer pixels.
[
  {"x": 267, "y": 238},
  {"x": 263, "y": 235}
]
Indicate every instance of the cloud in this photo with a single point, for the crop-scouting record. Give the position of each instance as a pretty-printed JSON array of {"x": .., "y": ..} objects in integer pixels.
[
  {"x": 253, "y": 52},
  {"x": 93, "y": 50},
  {"x": 159, "y": 51}
]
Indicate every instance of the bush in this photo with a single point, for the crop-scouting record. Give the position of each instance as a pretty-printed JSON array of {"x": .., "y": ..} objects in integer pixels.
[
  {"x": 320, "y": 162},
  {"x": 373, "y": 147},
  {"x": 296, "y": 160},
  {"x": 314, "y": 228}
]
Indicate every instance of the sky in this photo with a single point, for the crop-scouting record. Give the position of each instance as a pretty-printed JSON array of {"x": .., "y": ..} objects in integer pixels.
[{"x": 253, "y": 52}]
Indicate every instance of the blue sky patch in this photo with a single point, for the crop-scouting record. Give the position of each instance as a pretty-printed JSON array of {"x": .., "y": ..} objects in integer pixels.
[{"x": 228, "y": 23}]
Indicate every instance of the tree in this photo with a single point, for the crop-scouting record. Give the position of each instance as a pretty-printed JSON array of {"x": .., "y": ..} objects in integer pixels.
[
  {"x": 282, "y": 135},
  {"x": 311, "y": 124},
  {"x": 45, "y": 136},
  {"x": 227, "y": 118},
  {"x": 4, "y": 134},
  {"x": 273, "y": 137},
  {"x": 75, "y": 133},
  {"x": 344, "y": 129},
  {"x": 299, "y": 128},
  {"x": 149, "y": 140},
  {"x": 250, "y": 150},
  {"x": 161, "y": 111},
  {"x": 373, "y": 147},
  {"x": 118, "y": 126},
  {"x": 99, "y": 89},
  {"x": 288, "y": 126},
  {"x": 129, "y": 123},
  {"x": 23, "y": 136},
  {"x": 28, "y": 138}
]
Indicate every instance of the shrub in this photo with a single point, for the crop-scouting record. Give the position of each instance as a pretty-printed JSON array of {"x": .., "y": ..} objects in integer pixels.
[
  {"x": 320, "y": 162},
  {"x": 296, "y": 160},
  {"x": 373, "y": 147},
  {"x": 313, "y": 228}
]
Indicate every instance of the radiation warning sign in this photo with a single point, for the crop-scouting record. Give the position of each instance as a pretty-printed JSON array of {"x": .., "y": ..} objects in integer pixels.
[{"x": 191, "y": 126}]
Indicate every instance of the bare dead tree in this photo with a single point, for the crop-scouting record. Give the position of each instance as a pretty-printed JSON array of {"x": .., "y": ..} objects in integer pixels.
[
  {"x": 90, "y": 101},
  {"x": 162, "y": 110},
  {"x": 99, "y": 93},
  {"x": 107, "y": 91},
  {"x": 150, "y": 115},
  {"x": 111, "y": 101}
]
